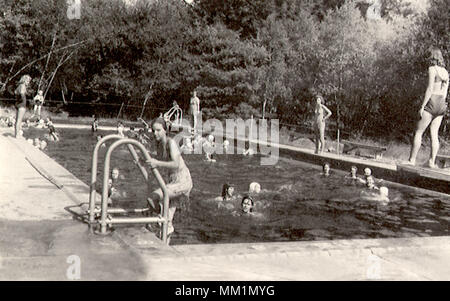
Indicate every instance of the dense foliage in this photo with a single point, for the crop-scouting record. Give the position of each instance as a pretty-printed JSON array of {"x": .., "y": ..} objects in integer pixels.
[{"x": 244, "y": 57}]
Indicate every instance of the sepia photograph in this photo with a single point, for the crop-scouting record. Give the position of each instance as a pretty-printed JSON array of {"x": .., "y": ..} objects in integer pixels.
[{"x": 224, "y": 147}]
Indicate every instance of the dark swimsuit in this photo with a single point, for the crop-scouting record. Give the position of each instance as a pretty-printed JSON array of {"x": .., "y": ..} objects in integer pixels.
[
  {"x": 52, "y": 129},
  {"x": 21, "y": 102},
  {"x": 437, "y": 106}
]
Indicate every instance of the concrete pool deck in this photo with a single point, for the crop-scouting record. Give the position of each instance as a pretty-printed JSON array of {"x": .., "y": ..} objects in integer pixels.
[{"x": 38, "y": 235}]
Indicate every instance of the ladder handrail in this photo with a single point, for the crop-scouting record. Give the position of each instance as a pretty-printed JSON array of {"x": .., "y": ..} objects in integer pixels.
[
  {"x": 155, "y": 172},
  {"x": 92, "y": 191},
  {"x": 174, "y": 110}
]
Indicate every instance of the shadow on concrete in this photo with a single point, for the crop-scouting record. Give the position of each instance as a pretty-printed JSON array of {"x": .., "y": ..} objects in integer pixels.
[{"x": 78, "y": 213}]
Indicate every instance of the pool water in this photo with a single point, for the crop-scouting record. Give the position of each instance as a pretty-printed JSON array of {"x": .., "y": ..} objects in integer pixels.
[{"x": 296, "y": 203}]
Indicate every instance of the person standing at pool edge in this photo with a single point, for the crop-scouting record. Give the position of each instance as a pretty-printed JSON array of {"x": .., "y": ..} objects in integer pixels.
[
  {"x": 433, "y": 107},
  {"x": 319, "y": 123},
  {"x": 195, "y": 109},
  {"x": 94, "y": 125},
  {"x": 169, "y": 156},
  {"x": 21, "y": 102},
  {"x": 38, "y": 102}
]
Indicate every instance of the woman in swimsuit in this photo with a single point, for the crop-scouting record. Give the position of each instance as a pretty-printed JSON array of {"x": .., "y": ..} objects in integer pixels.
[
  {"x": 21, "y": 102},
  {"x": 195, "y": 109},
  {"x": 168, "y": 156},
  {"x": 433, "y": 107},
  {"x": 319, "y": 123}
]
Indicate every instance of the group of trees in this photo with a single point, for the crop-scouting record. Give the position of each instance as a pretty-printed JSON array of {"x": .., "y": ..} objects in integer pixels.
[{"x": 265, "y": 58}]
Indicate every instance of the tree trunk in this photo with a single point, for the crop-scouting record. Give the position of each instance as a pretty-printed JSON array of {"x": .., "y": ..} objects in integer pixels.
[
  {"x": 338, "y": 113},
  {"x": 264, "y": 109}
]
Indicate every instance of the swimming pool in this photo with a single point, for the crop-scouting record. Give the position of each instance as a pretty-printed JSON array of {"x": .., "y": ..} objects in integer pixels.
[{"x": 300, "y": 204}]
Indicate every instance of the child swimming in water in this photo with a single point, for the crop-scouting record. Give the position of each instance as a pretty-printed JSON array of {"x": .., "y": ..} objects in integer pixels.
[
  {"x": 353, "y": 176},
  {"x": 228, "y": 198},
  {"x": 254, "y": 188},
  {"x": 326, "y": 170},
  {"x": 369, "y": 179},
  {"x": 113, "y": 191},
  {"x": 247, "y": 205},
  {"x": 254, "y": 191},
  {"x": 353, "y": 173}
]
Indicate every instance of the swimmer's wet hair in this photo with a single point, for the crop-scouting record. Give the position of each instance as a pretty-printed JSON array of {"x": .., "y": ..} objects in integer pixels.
[
  {"x": 225, "y": 188},
  {"x": 161, "y": 121},
  {"x": 247, "y": 197},
  {"x": 326, "y": 163}
]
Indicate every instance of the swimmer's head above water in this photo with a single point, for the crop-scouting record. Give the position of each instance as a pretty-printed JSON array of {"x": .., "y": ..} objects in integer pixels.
[
  {"x": 227, "y": 190},
  {"x": 367, "y": 172},
  {"x": 353, "y": 171},
  {"x": 370, "y": 182},
  {"x": 247, "y": 204},
  {"x": 115, "y": 173},
  {"x": 326, "y": 169},
  {"x": 254, "y": 187},
  {"x": 384, "y": 191}
]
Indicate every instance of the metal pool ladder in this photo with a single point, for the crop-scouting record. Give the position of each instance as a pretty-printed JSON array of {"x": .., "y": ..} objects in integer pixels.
[{"x": 106, "y": 218}]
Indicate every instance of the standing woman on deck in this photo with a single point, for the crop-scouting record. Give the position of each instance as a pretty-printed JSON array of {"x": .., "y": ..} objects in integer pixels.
[
  {"x": 21, "y": 102},
  {"x": 195, "y": 109},
  {"x": 169, "y": 157},
  {"x": 433, "y": 107},
  {"x": 319, "y": 123}
]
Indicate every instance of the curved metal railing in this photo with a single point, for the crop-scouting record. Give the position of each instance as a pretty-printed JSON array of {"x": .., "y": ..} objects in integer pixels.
[
  {"x": 105, "y": 219},
  {"x": 92, "y": 191}
]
